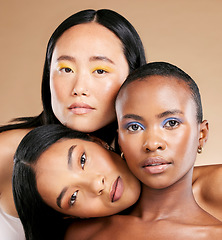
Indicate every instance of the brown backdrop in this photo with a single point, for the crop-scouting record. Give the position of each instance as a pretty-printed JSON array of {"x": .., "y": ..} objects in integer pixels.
[{"x": 187, "y": 33}]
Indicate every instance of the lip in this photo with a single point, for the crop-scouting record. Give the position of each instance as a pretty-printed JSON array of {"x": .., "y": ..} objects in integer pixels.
[
  {"x": 155, "y": 165},
  {"x": 117, "y": 190},
  {"x": 80, "y": 108}
]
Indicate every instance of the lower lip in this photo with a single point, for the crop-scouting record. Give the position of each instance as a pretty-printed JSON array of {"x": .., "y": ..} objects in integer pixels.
[
  {"x": 156, "y": 169},
  {"x": 117, "y": 190},
  {"x": 81, "y": 111}
]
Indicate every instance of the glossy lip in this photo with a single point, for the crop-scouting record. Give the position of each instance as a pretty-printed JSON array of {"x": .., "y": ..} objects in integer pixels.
[
  {"x": 155, "y": 165},
  {"x": 117, "y": 190},
  {"x": 80, "y": 108}
]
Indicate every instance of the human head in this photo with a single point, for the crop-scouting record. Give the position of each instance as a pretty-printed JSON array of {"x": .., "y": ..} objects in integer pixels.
[
  {"x": 159, "y": 114},
  {"x": 132, "y": 46},
  {"x": 47, "y": 144},
  {"x": 167, "y": 70}
]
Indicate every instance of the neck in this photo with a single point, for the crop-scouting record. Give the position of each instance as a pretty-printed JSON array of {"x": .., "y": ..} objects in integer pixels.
[{"x": 171, "y": 202}]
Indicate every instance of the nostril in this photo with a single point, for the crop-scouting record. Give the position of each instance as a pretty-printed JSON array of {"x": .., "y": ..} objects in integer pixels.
[
  {"x": 100, "y": 192},
  {"x": 103, "y": 181}
]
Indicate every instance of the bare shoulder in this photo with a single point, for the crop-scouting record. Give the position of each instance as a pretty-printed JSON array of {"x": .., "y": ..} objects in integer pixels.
[
  {"x": 9, "y": 141},
  {"x": 207, "y": 188},
  {"x": 208, "y": 178}
]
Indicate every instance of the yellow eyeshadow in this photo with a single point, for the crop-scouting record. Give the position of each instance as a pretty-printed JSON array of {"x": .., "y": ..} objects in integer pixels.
[
  {"x": 63, "y": 65},
  {"x": 105, "y": 68}
]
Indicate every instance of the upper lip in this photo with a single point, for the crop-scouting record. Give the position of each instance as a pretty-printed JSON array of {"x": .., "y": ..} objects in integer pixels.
[
  {"x": 80, "y": 105},
  {"x": 154, "y": 160},
  {"x": 113, "y": 189}
]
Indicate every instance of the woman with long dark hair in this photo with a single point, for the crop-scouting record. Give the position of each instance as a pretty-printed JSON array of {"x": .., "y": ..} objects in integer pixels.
[{"x": 88, "y": 57}]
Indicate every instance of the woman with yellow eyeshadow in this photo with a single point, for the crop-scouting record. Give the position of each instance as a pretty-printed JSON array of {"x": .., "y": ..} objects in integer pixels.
[{"x": 88, "y": 57}]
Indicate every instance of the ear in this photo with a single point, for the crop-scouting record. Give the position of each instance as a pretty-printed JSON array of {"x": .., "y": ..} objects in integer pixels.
[
  {"x": 204, "y": 132},
  {"x": 102, "y": 143}
]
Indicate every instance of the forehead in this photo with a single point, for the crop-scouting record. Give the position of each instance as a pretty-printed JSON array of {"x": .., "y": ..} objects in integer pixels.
[
  {"x": 166, "y": 92},
  {"x": 89, "y": 34},
  {"x": 56, "y": 154}
]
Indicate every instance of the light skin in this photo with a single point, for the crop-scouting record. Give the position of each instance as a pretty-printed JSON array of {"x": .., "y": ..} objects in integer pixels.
[
  {"x": 87, "y": 69},
  {"x": 82, "y": 179},
  {"x": 206, "y": 179}
]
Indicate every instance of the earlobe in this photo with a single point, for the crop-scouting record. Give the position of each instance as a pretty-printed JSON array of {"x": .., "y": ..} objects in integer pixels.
[{"x": 204, "y": 131}]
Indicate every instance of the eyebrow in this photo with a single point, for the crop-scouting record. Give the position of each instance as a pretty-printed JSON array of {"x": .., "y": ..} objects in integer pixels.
[
  {"x": 64, "y": 190},
  {"x": 59, "y": 198},
  {"x": 169, "y": 112},
  {"x": 71, "y": 149},
  {"x": 66, "y": 57},
  {"x": 133, "y": 116},
  {"x": 91, "y": 59},
  {"x": 161, "y": 115},
  {"x": 101, "y": 58}
]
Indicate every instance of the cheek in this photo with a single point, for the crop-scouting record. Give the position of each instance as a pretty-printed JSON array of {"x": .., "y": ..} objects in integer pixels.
[
  {"x": 128, "y": 145},
  {"x": 59, "y": 91},
  {"x": 187, "y": 145},
  {"x": 93, "y": 208},
  {"x": 109, "y": 91}
]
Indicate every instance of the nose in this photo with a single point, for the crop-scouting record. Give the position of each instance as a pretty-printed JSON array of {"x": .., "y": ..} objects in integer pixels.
[
  {"x": 80, "y": 84},
  {"x": 97, "y": 185},
  {"x": 153, "y": 140}
]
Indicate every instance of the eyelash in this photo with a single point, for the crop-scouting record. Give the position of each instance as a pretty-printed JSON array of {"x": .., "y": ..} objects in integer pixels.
[
  {"x": 73, "y": 198},
  {"x": 64, "y": 69},
  {"x": 176, "y": 122},
  {"x": 138, "y": 126},
  {"x": 83, "y": 160},
  {"x": 74, "y": 195},
  {"x": 100, "y": 71}
]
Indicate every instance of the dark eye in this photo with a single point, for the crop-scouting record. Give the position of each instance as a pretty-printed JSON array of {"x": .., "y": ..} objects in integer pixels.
[
  {"x": 66, "y": 70},
  {"x": 133, "y": 127},
  {"x": 73, "y": 198},
  {"x": 100, "y": 71},
  {"x": 171, "y": 124},
  {"x": 83, "y": 160}
]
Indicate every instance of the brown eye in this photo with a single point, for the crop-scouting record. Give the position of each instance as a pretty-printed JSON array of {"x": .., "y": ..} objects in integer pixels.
[
  {"x": 171, "y": 124},
  {"x": 66, "y": 70},
  {"x": 100, "y": 71},
  {"x": 83, "y": 160},
  {"x": 73, "y": 198}
]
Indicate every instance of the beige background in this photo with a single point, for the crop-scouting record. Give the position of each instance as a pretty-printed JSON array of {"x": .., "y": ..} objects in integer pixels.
[{"x": 187, "y": 33}]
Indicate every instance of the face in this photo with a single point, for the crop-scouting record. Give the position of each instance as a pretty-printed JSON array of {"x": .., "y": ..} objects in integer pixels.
[
  {"x": 158, "y": 130},
  {"x": 87, "y": 69},
  {"x": 83, "y": 179}
]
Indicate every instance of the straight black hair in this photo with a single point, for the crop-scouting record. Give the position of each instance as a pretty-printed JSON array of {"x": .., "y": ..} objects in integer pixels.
[
  {"x": 132, "y": 47},
  {"x": 39, "y": 220}
]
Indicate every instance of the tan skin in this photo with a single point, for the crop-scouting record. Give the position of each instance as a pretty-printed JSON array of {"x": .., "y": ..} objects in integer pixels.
[
  {"x": 206, "y": 179},
  {"x": 162, "y": 210},
  {"x": 206, "y": 186}
]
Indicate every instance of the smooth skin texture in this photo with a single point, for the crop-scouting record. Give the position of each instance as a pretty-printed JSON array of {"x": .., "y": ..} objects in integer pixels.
[
  {"x": 88, "y": 67},
  {"x": 206, "y": 179},
  {"x": 91, "y": 180},
  {"x": 91, "y": 60},
  {"x": 159, "y": 140}
]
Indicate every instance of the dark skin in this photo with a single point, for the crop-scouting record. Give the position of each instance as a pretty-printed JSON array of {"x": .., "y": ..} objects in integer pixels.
[{"x": 167, "y": 208}]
